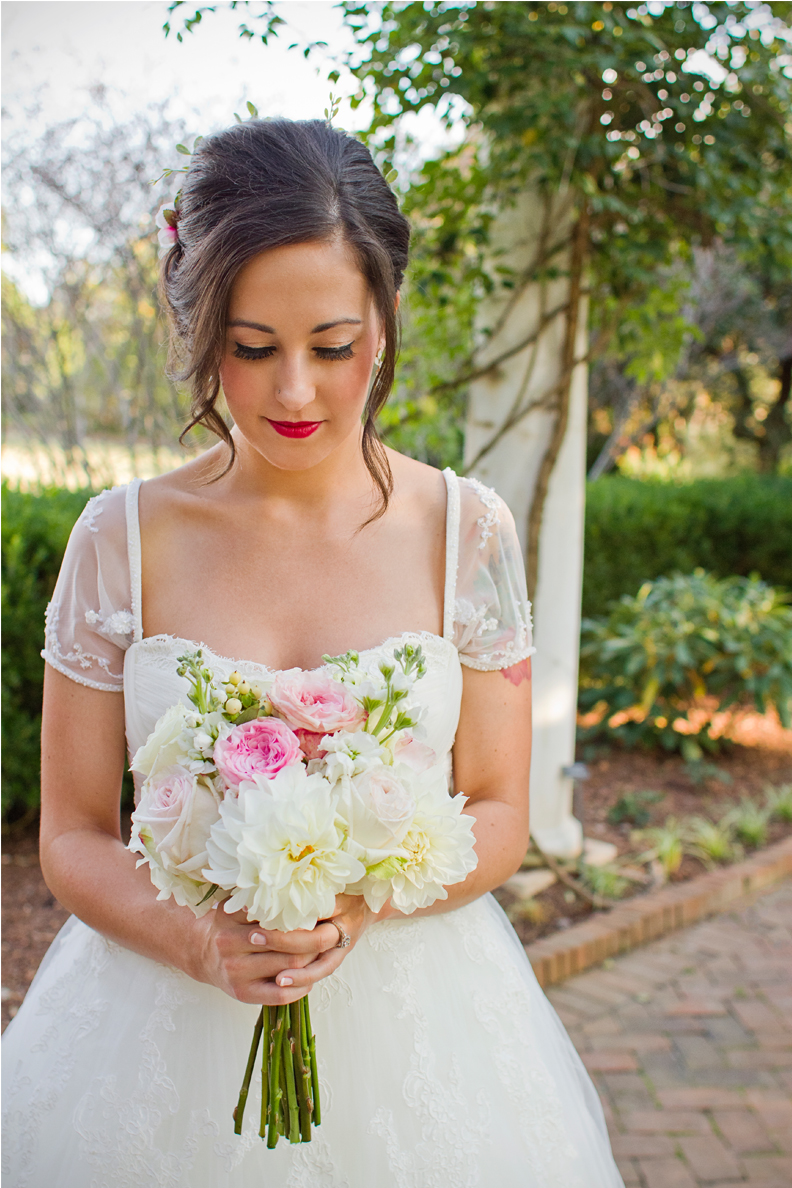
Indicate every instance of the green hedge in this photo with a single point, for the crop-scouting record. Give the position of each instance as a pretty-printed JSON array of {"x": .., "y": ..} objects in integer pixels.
[
  {"x": 638, "y": 530},
  {"x": 35, "y": 529}
]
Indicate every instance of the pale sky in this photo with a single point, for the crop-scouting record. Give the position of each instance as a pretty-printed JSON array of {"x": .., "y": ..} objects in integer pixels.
[{"x": 54, "y": 51}]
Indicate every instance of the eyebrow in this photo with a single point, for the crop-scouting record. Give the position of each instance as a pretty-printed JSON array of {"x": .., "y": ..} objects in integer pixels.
[{"x": 316, "y": 330}]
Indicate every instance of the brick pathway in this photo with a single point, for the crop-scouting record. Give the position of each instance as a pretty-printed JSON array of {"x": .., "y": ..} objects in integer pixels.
[{"x": 689, "y": 1041}]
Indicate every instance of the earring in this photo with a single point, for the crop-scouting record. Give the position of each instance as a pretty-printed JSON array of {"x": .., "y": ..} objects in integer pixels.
[{"x": 378, "y": 357}]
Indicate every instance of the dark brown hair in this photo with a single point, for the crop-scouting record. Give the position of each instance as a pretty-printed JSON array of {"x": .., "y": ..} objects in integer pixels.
[{"x": 264, "y": 184}]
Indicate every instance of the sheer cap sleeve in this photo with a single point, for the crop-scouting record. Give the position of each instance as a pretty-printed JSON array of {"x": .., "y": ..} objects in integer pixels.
[
  {"x": 492, "y": 614},
  {"x": 89, "y": 622}
]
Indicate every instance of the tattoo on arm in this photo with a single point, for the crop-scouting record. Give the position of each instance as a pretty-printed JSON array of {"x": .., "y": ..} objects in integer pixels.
[{"x": 518, "y": 672}]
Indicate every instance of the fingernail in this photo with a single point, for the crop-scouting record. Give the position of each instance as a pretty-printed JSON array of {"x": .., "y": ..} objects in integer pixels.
[
  {"x": 286, "y": 982},
  {"x": 258, "y": 938}
]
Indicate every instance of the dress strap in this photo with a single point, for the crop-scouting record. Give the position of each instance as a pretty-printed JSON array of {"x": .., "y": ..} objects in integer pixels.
[
  {"x": 452, "y": 551},
  {"x": 134, "y": 555}
]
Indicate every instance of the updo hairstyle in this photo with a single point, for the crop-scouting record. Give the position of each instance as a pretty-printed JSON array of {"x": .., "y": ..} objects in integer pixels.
[{"x": 264, "y": 184}]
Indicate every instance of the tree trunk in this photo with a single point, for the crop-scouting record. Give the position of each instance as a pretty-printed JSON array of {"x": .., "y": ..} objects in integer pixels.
[{"x": 526, "y": 437}]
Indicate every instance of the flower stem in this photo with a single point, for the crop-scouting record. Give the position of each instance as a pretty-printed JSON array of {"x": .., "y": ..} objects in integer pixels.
[
  {"x": 301, "y": 1071},
  {"x": 291, "y": 1091},
  {"x": 275, "y": 1092},
  {"x": 266, "y": 1055},
  {"x": 239, "y": 1112},
  {"x": 311, "y": 1038}
]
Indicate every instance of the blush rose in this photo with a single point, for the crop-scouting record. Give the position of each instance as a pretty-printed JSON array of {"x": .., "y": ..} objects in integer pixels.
[
  {"x": 315, "y": 702},
  {"x": 261, "y": 747}
]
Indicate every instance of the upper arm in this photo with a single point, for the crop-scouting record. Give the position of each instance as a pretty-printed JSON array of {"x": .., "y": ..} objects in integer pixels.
[
  {"x": 82, "y": 758},
  {"x": 492, "y": 751},
  {"x": 89, "y": 626},
  {"x": 492, "y": 631}
]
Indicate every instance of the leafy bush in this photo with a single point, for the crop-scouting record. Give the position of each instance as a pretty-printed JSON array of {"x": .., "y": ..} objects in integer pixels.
[
  {"x": 661, "y": 664},
  {"x": 35, "y": 529},
  {"x": 639, "y": 530}
]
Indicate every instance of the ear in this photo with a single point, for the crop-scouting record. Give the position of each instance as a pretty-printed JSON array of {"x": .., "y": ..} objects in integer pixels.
[{"x": 397, "y": 302}]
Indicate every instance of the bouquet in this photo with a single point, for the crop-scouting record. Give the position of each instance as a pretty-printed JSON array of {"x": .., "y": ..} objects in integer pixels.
[{"x": 275, "y": 796}]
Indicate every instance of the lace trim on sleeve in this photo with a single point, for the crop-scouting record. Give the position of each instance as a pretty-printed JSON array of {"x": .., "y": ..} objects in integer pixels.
[
  {"x": 57, "y": 658},
  {"x": 488, "y": 522}
]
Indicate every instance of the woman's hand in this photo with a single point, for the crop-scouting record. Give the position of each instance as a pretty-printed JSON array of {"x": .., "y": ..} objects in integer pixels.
[{"x": 257, "y": 965}]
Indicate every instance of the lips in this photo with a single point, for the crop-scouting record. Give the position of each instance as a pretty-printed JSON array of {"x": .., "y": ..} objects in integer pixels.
[{"x": 294, "y": 428}]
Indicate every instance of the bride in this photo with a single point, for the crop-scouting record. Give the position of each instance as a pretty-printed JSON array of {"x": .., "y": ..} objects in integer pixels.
[{"x": 442, "y": 1064}]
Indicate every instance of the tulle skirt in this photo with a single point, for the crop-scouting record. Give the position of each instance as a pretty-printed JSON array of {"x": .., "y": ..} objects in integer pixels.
[{"x": 442, "y": 1065}]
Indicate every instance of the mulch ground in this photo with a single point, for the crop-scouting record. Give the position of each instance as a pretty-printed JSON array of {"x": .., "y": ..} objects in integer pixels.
[
  {"x": 31, "y": 916},
  {"x": 762, "y": 756}
]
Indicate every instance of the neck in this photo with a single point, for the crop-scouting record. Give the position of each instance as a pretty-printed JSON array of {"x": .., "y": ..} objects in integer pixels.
[{"x": 340, "y": 478}]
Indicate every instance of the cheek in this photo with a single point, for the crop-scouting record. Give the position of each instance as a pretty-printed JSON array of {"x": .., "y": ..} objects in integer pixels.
[{"x": 239, "y": 380}]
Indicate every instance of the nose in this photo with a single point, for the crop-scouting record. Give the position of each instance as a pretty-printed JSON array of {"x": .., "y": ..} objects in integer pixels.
[{"x": 294, "y": 388}]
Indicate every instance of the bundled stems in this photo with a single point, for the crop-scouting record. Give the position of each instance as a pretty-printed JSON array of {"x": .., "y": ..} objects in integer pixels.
[{"x": 289, "y": 1081}]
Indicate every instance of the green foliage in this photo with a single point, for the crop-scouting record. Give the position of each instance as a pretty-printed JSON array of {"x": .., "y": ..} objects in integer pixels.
[
  {"x": 632, "y": 808},
  {"x": 779, "y": 802},
  {"x": 604, "y": 103},
  {"x": 604, "y": 880},
  {"x": 35, "y": 529},
  {"x": 749, "y": 822},
  {"x": 637, "y": 531},
  {"x": 711, "y": 842},
  {"x": 685, "y": 647},
  {"x": 667, "y": 842}
]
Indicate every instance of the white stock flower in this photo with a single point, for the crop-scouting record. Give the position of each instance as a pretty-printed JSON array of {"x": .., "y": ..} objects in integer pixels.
[
  {"x": 281, "y": 851},
  {"x": 435, "y": 852},
  {"x": 168, "y": 743},
  {"x": 349, "y": 754},
  {"x": 170, "y": 828}
]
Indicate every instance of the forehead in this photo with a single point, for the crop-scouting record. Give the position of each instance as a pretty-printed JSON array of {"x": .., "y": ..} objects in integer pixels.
[{"x": 303, "y": 279}]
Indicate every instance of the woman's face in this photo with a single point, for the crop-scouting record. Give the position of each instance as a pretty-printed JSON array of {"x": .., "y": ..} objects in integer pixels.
[{"x": 301, "y": 339}]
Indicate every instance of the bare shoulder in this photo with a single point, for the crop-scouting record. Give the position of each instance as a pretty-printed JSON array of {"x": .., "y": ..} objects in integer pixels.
[
  {"x": 182, "y": 495},
  {"x": 417, "y": 485}
]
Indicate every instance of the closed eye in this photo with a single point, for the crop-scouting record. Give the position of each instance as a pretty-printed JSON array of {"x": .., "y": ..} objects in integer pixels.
[
  {"x": 249, "y": 352},
  {"x": 343, "y": 352}
]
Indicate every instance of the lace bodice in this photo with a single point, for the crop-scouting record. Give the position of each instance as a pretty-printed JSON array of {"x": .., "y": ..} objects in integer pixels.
[{"x": 94, "y": 629}]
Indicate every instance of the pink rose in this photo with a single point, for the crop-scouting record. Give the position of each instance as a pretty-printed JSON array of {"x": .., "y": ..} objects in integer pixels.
[
  {"x": 261, "y": 747},
  {"x": 313, "y": 701},
  {"x": 415, "y": 754},
  {"x": 309, "y": 743}
]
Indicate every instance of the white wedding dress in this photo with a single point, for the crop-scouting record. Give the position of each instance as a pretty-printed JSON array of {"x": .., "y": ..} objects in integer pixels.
[{"x": 442, "y": 1064}]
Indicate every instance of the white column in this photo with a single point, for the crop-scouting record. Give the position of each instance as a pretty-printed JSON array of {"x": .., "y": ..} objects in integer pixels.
[{"x": 511, "y": 467}]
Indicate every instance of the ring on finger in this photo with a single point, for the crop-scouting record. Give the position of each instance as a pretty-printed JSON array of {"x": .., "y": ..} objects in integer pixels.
[{"x": 344, "y": 939}]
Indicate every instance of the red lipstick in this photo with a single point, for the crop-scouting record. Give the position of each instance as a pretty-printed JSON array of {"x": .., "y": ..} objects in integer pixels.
[{"x": 294, "y": 428}]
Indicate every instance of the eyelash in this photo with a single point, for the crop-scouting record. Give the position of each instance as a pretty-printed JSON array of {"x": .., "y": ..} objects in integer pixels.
[{"x": 247, "y": 352}]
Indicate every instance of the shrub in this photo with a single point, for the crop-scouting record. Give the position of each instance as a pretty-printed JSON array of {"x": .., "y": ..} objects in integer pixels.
[
  {"x": 637, "y": 531},
  {"x": 661, "y": 664},
  {"x": 35, "y": 529}
]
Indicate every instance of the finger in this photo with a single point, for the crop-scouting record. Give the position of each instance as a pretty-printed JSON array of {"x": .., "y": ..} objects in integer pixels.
[
  {"x": 303, "y": 979},
  {"x": 301, "y": 940}
]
